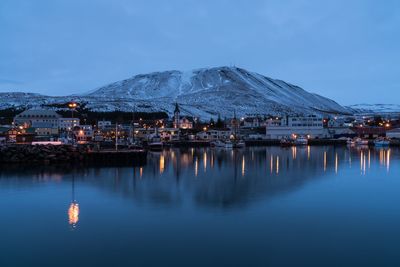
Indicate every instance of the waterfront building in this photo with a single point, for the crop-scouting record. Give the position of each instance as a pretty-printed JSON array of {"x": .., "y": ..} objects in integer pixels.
[
  {"x": 166, "y": 134},
  {"x": 214, "y": 134},
  {"x": 289, "y": 127},
  {"x": 369, "y": 132}
]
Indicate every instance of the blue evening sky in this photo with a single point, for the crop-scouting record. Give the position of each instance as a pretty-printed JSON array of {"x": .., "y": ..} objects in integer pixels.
[{"x": 347, "y": 50}]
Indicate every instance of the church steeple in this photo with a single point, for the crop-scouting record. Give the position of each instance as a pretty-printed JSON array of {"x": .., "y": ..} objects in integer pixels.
[
  {"x": 176, "y": 108},
  {"x": 177, "y": 116}
]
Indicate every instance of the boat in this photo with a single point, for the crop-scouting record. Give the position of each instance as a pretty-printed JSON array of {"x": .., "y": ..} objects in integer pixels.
[
  {"x": 301, "y": 141},
  {"x": 360, "y": 142},
  {"x": 286, "y": 142},
  {"x": 238, "y": 144},
  {"x": 155, "y": 143},
  {"x": 381, "y": 142},
  {"x": 350, "y": 142},
  {"x": 155, "y": 146},
  {"x": 223, "y": 144}
]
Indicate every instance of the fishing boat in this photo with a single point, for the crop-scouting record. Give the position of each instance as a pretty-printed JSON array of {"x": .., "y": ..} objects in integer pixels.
[
  {"x": 301, "y": 141},
  {"x": 350, "y": 142},
  {"x": 382, "y": 142},
  {"x": 286, "y": 142},
  {"x": 238, "y": 144},
  {"x": 360, "y": 142},
  {"x": 155, "y": 143},
  {"x": 223, "y": 144}
]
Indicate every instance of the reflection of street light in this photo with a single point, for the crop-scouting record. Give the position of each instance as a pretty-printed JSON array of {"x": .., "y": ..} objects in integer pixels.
[
  {"x": 73, "y": 210},
  {"x": 73, "y": 214}
]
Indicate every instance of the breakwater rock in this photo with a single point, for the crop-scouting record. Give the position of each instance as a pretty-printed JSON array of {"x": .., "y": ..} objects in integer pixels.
[
  {"x": 41, "y": 154},
  {"x": 67, "y": 154}
]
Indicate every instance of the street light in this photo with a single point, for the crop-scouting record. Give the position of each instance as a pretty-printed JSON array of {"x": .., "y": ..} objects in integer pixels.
[{"x": 72, "y": 106}]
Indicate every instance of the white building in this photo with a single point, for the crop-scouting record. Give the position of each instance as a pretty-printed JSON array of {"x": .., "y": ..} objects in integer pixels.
[
  {"x": 67, "y": 124},
  {"x": 214, "y": 134},
  {"x": 395, "y": 133},
  {"x": 288, "y": 127},
  {"x": 28, "y": 118}
]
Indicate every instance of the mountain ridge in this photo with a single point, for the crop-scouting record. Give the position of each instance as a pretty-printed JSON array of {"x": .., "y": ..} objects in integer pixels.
[{"x": 204, "y": 92}]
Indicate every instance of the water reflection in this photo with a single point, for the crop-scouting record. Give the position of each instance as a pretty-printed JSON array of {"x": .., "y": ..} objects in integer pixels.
[
  {"x": 216, "y": 178},
  {"x": 73, "y": 210}
]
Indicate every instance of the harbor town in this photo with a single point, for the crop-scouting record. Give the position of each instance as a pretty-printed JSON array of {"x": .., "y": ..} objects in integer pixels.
[{"x": 142, "y": 132}]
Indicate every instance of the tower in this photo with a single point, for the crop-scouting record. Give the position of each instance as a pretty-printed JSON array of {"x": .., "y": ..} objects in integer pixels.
[{"x": 177, "y": 114}]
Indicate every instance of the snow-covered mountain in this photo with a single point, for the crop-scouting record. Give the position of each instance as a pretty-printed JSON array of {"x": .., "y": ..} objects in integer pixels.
[
  {"x": 203, "y": 92},
  {"x": 375, "y": 108}
]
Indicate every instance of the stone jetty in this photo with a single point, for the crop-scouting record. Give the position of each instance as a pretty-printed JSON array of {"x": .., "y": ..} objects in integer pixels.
[{"x": 67, "y": 154}]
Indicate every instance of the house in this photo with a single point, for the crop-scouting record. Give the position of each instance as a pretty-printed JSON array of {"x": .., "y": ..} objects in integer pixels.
[
  {"x": 169, "y": 134},
  {"x": 83, "y": 133},
  {"x": 290, "y": 126},
  {"x": 252, "y": 122},
  {"x": 395, "y": 133},
  {"x": 26, "y": 136}
]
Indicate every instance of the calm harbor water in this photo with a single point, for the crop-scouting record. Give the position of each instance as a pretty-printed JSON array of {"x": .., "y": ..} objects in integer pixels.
[{"x": 263, "y": 206}]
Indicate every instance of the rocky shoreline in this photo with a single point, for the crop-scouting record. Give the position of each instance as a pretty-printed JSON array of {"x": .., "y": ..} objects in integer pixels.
[
  {"x": 41, "y": 154},
  {"x": 67, "y": 154}
]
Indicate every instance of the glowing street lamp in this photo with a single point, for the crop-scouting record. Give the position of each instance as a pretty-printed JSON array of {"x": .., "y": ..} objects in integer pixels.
[{"x": 72, "y": 106}]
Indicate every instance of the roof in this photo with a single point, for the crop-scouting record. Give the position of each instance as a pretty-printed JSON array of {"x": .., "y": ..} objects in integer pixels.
[
  {"x": 42, "y": 113},
  {"x": 190, "y": 119}
]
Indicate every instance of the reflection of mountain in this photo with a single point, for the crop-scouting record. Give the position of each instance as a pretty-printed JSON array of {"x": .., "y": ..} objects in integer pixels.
[
  {"x": 212, "y": 177},
  {"x": 219, "y": 178}
]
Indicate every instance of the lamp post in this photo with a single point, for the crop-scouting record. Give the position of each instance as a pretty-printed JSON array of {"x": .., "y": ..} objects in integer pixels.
[{"x": 72, "y": 106}]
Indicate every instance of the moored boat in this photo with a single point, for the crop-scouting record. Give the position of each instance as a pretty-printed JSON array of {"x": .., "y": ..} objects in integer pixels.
[
  {"x": 286, "y": 142},
  {"x": 238, "y": 144},
  {"x": 224, "y": 144},
  {"x": 361, "y": 142},
  {"x": 380, "y": 142},
  {"x": 155, "y": 146},
  {"x": 301, "y": 141}
]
